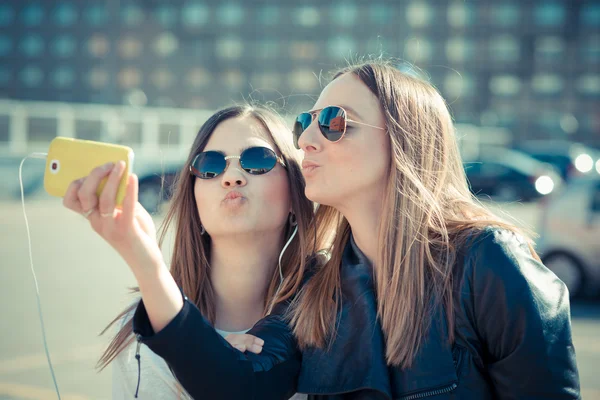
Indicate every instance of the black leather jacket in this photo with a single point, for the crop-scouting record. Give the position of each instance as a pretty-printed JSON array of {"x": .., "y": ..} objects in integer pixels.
[{"x": 513, "y": 340}]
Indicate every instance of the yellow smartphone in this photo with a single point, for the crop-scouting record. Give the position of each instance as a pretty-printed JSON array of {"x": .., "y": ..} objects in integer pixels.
[{"x": 70, "y": 159}]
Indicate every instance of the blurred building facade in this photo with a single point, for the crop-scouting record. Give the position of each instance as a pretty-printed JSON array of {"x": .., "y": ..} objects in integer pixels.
[{"x": 531, "y": 66}]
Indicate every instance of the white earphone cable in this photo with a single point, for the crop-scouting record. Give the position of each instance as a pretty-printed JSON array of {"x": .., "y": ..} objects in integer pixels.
[{"x": 37, "y": 290}]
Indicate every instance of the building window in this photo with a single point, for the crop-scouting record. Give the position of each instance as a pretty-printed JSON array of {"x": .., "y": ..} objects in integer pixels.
[
  {"x": 269, "y": 15},
  {"x": 32, "y": 45},
  {"x": 547, "y": 84},
  {"x": 231, "y": 14},
  {"x": 7, "y": 15},
  {"x": 590, "y": 49},
  {"x": 5, "y": 76},
  {"x": 267, "y": 48},
  {"x": 380, "y": 45},
  {"x": 419, "y": 14},
  {"x": 130, "y": 47},
  {"x": 505, "y": 85},
  {"x": 504, "y": 48},
  {"x": 307, "y": 16},
  {"x": 198, "y": 77},
  {"x": 459, "y": 50},
  {"x": 456, "y": 86},
  {"x": 460, "y": 14},
  {"x": 230, "y": 48},
  {"x": 549, "y": 49},
  {"x": 130, "y": 78},
  {"x": 505, "y": 14},
  {"x": 32, "y": 15},
  {"x": 98, "y": 46},
  {"x": 343, "y": 13},
  {"x": 64, "y": 46},
  {"x": 589, "y": 85},
  {"x": 166, "y": 44},
  {"x": 6, "y": 45},
  {"x": 380, "y": 13},
  {"x": 98, "y": 78},
  {"x": 233, "y": 79},
  {"x": 590, "y": 15},
  {"x": 194, "y": 15},
  {"x": 65, "y": 14},
  {"x": 341, "y": 47},
  {"x": 31, "y": 76},
  {"x": 303, "y": 80},
  {"x": 162, "y": 78},
  {"x": 166, "y": 15},
  {"x": 266, "y": 80},
  {"x": 132, "y": 15},
  {"x": 303, "y": 50},
  {"x": 63, "y": 77},
  {"x": 549, "y": 14},
  {"x": 418, "y": 49},
  {"x": 96, "y": 15}
]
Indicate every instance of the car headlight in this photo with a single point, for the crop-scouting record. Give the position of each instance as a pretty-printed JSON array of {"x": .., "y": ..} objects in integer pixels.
[
  {"x": 544, "y": 185},
  {"x": 584, "y": 163}
]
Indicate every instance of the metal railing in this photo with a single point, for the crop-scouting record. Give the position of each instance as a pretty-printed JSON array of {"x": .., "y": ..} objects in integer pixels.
[{"x": 27, "y": 126}]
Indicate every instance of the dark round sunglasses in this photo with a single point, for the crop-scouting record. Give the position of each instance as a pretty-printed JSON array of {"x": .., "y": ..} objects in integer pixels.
[
  {"x": 332, "y": 121},
  {"x": 253, "y": 160}
]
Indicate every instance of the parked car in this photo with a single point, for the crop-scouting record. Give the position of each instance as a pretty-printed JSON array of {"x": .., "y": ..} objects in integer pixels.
[
  {"x": 509, "y": 175},
  {"x": 572, "y": 160},
  {"x": 570, "y": 236},
  {"x": 156, "y": 188}
]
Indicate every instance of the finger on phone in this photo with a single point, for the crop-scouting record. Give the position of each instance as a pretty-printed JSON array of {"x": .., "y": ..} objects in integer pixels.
[
  {"x": 71, "y": 201},
  {"x": 107, "y": 201},
  {"x": 131, "y": 198},
  {"x": 87, "y": 192}
]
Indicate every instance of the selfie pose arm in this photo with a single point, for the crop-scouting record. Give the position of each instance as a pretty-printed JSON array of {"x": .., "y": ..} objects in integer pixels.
[{"x": 205, "y": 364}]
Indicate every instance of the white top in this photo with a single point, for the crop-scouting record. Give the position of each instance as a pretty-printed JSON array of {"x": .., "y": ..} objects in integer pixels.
[{"x": 156, "y": 380}]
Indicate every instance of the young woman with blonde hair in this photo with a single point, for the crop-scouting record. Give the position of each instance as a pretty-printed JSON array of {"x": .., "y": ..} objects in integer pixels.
[{"x": 426, "y": 294}]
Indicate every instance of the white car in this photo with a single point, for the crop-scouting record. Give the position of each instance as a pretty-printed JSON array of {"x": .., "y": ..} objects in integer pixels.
[{"x": 570, "y": 236}]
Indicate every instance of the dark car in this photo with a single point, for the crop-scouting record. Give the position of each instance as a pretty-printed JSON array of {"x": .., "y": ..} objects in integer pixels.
[
  {"x": 572, "y": 160},
  {"x": 156, "y": 188},
  {"x": 508, "y": 175}
]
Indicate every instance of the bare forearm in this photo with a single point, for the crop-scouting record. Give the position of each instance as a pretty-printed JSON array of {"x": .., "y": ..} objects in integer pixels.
[{"x": 160, "y": 293}]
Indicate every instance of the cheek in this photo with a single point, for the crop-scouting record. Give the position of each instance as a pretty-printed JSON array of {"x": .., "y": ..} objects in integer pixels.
[
  {"x": 201, "y": 194},
  {"x": 275, "y": 194}
]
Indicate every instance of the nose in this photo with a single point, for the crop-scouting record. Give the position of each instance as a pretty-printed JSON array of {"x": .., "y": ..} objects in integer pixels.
[
  {"x": 310, "y": 139},
  {"x": 233, "y": 175}
]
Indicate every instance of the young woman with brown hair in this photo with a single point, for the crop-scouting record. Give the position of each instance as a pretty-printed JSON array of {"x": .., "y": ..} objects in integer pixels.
[{"x": 241, "y": 238}]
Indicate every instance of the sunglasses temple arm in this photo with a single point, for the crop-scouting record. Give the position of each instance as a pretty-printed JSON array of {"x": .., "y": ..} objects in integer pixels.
[{"x": 362, "y": 123}]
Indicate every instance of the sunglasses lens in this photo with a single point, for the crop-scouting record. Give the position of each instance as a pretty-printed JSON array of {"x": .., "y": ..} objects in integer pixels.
[
  {"x": 332, "y": 122},
  {"x": 303, "y": 121},
  {"x": 258, "y": 160},
  {"x": 208, "y": 164}
]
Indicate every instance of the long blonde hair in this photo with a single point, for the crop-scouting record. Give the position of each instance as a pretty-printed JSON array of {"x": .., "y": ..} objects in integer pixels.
[
  {"x": 191, "y": 252},
  {"x": 428, "y": 213}
]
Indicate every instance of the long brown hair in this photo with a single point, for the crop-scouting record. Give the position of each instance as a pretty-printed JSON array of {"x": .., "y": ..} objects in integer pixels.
[
  {"x": 191, "y": 252},
  {"x": 428, "y": 213}
]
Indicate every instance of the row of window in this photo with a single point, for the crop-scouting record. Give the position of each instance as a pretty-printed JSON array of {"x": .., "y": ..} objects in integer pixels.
[
  {"x": 453, "y": 84},
  {"x": 458, "y": 49},
  {"x": 193, "y": 14}
]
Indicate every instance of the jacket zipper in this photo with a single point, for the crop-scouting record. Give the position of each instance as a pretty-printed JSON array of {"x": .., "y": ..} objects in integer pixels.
[
  {"x": 137, "y": 357},
  {"x": 446, "y": 389}
]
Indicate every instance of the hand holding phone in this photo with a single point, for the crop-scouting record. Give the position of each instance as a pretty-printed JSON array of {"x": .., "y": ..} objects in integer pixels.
[{"x": 71, "y": 159}]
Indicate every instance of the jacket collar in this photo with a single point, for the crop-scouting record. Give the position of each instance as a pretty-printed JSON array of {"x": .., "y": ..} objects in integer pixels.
[{"x": 356, "y": 358}]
